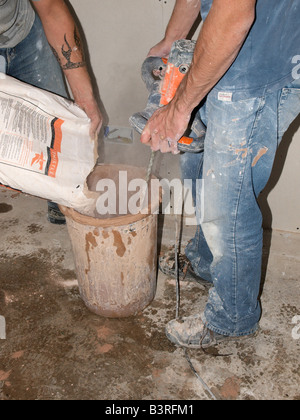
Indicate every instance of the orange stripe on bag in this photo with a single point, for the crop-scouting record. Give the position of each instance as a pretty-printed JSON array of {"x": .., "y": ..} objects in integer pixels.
[
  {"x": 53, "y": 163},
  {"x": 57, "y": 135}
]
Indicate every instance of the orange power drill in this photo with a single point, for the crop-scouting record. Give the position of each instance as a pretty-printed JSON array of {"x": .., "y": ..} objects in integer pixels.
[{"x": 162, "y": 78}]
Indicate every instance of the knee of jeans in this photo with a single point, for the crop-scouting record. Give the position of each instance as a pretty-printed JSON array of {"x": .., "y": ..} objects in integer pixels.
[{"x": 212, "y": 233}]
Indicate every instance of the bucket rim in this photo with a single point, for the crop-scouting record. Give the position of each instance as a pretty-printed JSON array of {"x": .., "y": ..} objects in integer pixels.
[
  {"x": 123, "y": 220},
  {"x": 83, "y": 219}
]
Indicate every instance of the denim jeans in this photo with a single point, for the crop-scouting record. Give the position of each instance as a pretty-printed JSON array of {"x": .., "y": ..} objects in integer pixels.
[
  {"x": 32, "y": 61},
  {"x": 240, "y": 146}
]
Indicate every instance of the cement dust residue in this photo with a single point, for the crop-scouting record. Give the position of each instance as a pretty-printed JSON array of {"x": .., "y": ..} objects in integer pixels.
[
  {"x": 105, "y": 234},
  {"x": 90, "y": 240},
  {"x": 231, "y": 388},
  {"x": 119, "y": 244},
  {"x": 244, "y": 152},
  {"x": 261, "y": 152}
]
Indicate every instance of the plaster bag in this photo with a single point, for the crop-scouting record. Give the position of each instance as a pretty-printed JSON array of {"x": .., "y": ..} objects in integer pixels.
[{"x": 45, "y": 147}]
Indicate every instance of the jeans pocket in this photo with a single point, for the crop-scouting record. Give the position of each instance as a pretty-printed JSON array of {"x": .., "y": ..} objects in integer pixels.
[{"x": 288, "y": 109}]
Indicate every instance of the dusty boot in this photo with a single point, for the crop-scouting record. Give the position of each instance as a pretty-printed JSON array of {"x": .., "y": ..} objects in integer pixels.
[
  {"x": 166, "y": 265},
  {"x": 55, "y": 216},
  {"x": 190, "y": 332}
]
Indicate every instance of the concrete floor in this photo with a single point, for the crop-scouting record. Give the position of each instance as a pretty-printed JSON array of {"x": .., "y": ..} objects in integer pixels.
[{"x": 55, "y": 349}]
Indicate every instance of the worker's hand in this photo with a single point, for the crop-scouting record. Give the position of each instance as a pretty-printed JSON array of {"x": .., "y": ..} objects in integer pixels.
[
  {"x": 93, "y": 112},
  {"x": 162, "y": 49},
  {"x": 165, "y": 128}
]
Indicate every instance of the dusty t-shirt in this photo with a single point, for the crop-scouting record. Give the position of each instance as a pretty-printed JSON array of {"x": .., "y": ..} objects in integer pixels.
[
  {"x": 16, "y": 20},
  {"x": 268, "y": 58}
]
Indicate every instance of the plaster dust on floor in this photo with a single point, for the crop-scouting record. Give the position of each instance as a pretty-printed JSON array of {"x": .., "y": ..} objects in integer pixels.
[{"x": 56, "y": 349}]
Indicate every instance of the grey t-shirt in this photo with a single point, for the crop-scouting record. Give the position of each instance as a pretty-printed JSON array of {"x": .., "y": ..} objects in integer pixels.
[{"x": 16, "y": 20}]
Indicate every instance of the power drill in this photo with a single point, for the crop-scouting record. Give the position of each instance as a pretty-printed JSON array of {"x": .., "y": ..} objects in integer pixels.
[{"x": 162, "y": 78}]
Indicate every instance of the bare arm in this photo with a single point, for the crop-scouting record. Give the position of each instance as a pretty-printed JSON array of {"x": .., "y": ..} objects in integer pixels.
[
  {"x": 219, "y": 43},
  {"x": 183, "y": 17},
  {"x": 220, "y": 40},
  {"x": 64, "y": 39}
]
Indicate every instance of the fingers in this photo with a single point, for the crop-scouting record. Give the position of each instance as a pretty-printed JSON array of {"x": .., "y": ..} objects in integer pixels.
[
  {"x": 163, "y": 130},
  {"x": 90, "y": 107},
  {"x": 96, "y": 122},
  {"x": 146, "y": 135},
  {"x": 95, "y": 127},
  {"x": 162, "y": 49},
  {"x": 151, "y": 137},
  {"x": 158, "y": 142},
  {"x": 169, "y": 146},
  {"x": 155, "y": 141}
]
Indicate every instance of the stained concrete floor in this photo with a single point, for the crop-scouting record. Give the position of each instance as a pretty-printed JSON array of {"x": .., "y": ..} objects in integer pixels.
[{"x": 55, "y": 349}]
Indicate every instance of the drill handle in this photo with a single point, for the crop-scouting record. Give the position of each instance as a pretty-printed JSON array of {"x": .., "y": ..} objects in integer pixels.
[{"x": 191, "y": 145}]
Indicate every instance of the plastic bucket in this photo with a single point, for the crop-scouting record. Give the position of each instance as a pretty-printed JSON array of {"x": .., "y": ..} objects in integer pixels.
[{"x": 115, "y": 257}]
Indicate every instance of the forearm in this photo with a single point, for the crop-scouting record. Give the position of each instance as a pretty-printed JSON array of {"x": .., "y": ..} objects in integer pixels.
[
  {"x": 64, "y": 39},
  {"x": 220, "y": 40},
  {"x": 183, "y": 17}
]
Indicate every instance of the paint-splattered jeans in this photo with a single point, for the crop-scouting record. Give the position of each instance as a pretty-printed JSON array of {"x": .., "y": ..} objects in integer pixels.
[{"x": 240, "y": 146}]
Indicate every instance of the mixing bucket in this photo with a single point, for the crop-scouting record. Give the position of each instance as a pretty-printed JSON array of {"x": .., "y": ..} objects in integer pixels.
[{"x": 115, "y": 257}]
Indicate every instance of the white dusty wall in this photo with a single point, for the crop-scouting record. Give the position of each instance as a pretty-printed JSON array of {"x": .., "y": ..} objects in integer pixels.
[{"x": 119, "y": 34}]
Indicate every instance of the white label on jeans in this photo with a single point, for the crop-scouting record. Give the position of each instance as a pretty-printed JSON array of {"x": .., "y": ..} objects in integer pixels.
[{"x": 225, "y": 96}]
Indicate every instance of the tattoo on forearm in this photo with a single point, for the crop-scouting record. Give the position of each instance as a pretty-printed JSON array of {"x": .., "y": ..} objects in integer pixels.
[{"x": 67, "y": 52}]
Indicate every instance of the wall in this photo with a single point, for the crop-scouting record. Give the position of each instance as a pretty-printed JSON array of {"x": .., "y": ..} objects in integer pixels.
[
  {"x": 280, "y": 201},
  {"x": 119, "y": 34}
]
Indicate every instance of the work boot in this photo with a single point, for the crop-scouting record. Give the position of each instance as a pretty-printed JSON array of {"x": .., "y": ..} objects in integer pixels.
[
  {"x": 190, "y": 332},
  {"x": 167, "y": 266},
  {"x": 55, "y": 216}
]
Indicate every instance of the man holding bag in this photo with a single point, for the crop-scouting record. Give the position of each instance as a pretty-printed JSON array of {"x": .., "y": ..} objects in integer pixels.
[{"x": 39, "y": 45}]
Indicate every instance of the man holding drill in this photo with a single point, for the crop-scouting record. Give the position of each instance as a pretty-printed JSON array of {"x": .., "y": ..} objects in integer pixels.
[
  {"x": 38, "y": 40},
  {"x": 244, "y": 78}
]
